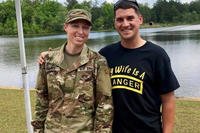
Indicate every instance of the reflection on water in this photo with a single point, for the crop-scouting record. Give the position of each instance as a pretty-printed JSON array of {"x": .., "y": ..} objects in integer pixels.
[{"x": 182, "y": 45}]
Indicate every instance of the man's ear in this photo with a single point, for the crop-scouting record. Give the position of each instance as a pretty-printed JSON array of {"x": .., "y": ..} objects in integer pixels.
[{"x": 141, "y": 19}]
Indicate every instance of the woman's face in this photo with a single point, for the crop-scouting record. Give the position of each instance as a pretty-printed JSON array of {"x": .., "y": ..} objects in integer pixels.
[{"x": 77, "y": 32}]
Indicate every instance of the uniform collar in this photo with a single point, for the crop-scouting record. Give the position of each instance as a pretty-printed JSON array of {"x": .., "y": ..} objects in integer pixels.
[{"x": 82, "y": 59}]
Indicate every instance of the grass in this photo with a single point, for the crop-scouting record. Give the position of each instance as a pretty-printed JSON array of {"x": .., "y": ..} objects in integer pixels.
[
  {"x": 12, "y": 113},
  {"x": 187, "y": 116}
]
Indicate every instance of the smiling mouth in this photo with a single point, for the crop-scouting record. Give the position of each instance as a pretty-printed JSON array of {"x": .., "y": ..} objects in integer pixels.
[
  {"x": 79, "y": 38},
  {"x": 125, "y": 31}
]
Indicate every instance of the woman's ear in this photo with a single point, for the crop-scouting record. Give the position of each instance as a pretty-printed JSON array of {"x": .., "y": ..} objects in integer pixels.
[{"x": 65, "y": 27}]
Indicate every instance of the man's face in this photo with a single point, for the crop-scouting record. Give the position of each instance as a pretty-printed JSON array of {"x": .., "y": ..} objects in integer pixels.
[
  {"x": 127, "y": 23},
  {"x": 77, "y": 32}
]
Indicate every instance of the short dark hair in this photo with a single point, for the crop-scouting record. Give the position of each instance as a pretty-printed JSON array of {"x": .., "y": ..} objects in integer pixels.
[{"x": 125, "y": 4}]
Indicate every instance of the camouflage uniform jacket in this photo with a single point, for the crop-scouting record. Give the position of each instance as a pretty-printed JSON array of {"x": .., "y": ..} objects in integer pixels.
[{"x": 76, "y": 98}]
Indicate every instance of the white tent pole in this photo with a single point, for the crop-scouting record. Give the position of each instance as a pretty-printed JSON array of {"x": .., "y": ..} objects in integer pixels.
[{"x": 24, "y": 67}]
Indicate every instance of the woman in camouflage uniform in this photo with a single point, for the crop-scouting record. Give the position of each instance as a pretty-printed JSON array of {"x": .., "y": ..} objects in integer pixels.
[{"x": 73, "y": 85}]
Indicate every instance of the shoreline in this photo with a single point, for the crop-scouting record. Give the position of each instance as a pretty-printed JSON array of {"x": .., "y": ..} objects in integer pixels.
[
  {"x": 12, "y": 88},
  {"x": 184, "y": 26},
  {"x": 188, "y": 98},
  {"x": 32, "y": 89}
]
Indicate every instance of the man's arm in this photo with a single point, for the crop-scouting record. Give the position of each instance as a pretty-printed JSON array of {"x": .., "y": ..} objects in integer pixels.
[
  {"x": 104, "y": 107},
  {"x": 168, "y": 111},
  {"x": 40, "y": 59}
]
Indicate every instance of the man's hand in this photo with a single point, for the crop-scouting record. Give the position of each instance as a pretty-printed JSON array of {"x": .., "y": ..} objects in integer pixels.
[{"x": 41, "y": 57}]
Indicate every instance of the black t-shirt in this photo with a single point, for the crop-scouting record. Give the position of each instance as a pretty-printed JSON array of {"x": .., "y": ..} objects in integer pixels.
[{"x": 139, "y": 76}]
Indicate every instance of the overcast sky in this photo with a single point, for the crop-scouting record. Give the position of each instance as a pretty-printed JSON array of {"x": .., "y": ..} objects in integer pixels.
[
  {"x": 140, "y": 1},
  {"x": 150, "y": 2}
]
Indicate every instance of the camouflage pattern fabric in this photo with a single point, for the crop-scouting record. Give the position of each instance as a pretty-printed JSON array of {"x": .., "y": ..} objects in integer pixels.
[
  {"x": 76, "y": 98},
  {"x": 76, "y": 14}
]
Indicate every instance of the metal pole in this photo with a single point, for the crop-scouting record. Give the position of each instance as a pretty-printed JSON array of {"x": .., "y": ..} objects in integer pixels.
[{"x": 24, "y": 67}]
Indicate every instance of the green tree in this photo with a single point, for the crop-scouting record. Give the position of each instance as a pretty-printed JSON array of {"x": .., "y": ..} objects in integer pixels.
[
  {"x": 108, "y": 15},
  {"x": 167, "y": 11},
  {"x": 48, "y": 16},
  {"x": 71, "y": 3},
  {"x": 84, "y": 5},
  {"x": 7, "y": 17},
  {"x": 97, "y": 18},
  {"x": 42, "y": 16},
  {"x": 195, "y": 6},
  {"x": 146, "y": 12}
]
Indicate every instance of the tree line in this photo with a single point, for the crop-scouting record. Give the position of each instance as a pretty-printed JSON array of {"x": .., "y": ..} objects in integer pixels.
[{"x": 48, "y": 16}]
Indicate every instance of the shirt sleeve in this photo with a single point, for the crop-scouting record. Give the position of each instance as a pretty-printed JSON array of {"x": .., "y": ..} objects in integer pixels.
[
  {"x": 41, "y": 107},
  {"x": 104, "y": 107},
  {"x": 165, "y": 77}
]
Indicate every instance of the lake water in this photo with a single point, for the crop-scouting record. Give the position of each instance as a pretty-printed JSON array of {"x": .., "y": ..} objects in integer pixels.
[{"x": 182, "y": 44}]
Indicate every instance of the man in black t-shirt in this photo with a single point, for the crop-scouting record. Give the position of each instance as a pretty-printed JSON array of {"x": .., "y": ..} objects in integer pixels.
[{"x": 141, "y": 75}]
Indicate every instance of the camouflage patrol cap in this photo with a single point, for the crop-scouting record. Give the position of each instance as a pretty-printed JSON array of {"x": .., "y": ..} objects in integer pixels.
[{"x": 76, "y": 14}]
